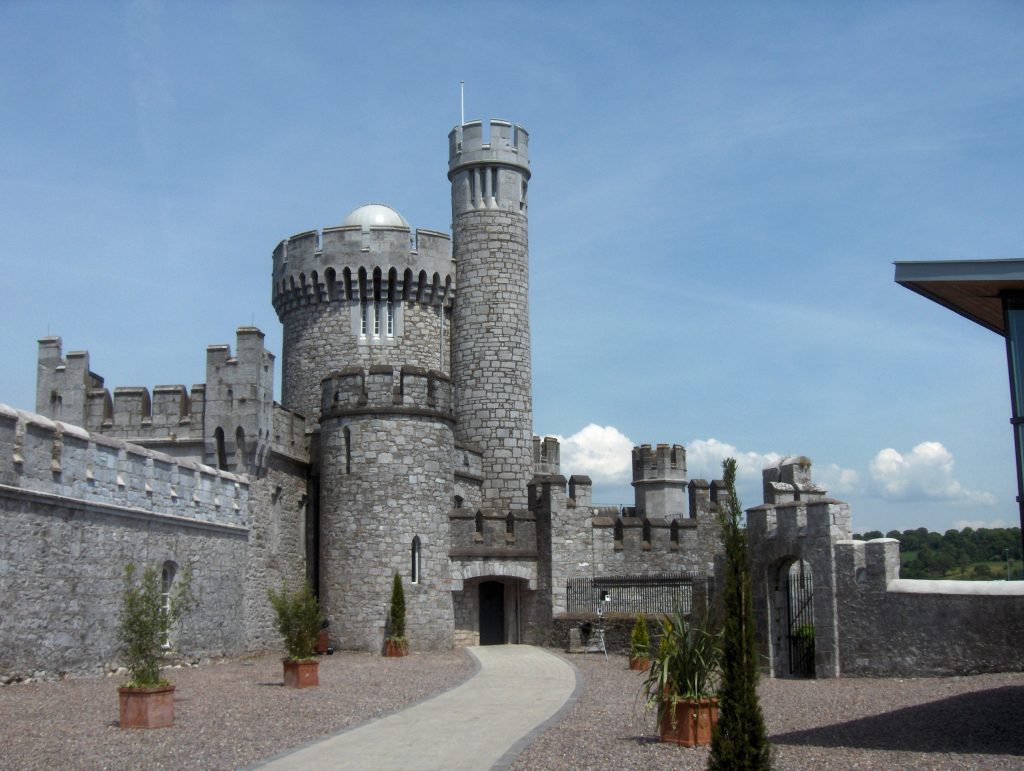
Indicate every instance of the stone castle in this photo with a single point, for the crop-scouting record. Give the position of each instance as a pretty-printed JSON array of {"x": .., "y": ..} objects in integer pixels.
[{"x": 403, "y": 444}]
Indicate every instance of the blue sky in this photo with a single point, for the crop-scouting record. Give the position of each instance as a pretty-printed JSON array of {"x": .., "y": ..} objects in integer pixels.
[{"x": 719, "y": 191}]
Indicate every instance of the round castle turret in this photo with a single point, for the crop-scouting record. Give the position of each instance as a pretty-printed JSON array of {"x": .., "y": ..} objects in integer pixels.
[
  {"x": 364, "y": 293},
  {"x": 491, "y": 368},
  {"x": 386, "y": 485}
]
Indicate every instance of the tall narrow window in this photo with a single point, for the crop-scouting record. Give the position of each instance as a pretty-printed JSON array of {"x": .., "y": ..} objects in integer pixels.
[
  {"x": 222, "y": 453},
  {"x": 391, "y": 319},
  {"x": 348, "y": 449},
  {"x": 363, "y": 313},
  {"x": 415, "y": 571},
  {"x": 376, "y": 318},
  {"x": 166, "y": 579}
]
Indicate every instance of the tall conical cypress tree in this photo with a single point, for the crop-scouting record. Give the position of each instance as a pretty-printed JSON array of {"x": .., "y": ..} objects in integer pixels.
[{"x": 740, "y": 740}]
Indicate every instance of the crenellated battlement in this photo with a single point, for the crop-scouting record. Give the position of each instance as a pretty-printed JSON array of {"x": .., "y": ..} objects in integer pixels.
[
  {"x": 546, "y": 456},
  {"x": 488, "y": 175},
  {"x": 414, "y": 390},
  {"x": 659, "y": 463},
  {"x": 352, "y": 263},
  {"x": 869, "y": 564},
  {"x": 824, "y": 518},
  {"x": 790, "y": 480},
  {"x": 63, "y": 464},
  {"x": 506, "y": 144}
]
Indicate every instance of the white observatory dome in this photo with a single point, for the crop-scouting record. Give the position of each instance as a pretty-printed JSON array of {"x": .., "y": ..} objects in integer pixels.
[{"x": 375, "y": 215}]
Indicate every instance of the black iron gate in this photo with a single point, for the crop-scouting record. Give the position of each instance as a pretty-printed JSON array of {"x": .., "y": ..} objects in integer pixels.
[{"x": 799, "y": 594}]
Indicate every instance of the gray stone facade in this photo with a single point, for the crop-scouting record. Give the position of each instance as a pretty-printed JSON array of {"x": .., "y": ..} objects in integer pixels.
[{"x": 865, "y": 619}]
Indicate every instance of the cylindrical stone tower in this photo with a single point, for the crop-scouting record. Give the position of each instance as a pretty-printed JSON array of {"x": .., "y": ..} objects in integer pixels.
[
  {"x": 491, "y": 349},
  {"x": 386, "y": 487},
  {"x": 367, "y": 292}
]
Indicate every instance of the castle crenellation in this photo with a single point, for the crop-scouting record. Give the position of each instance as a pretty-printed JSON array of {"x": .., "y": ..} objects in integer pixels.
[
  {"x": 403, "y": 444},
  {"x": 53, "y": 458}
]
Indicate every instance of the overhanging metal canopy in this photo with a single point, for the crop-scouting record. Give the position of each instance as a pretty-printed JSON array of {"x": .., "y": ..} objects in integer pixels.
[{"x": 972, "y": 288}]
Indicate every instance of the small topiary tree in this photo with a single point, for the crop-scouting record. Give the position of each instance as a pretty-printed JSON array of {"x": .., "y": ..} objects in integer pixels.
[
  {"x": 396, "y": 642},
  {"x": 298, "y": 619},
  {"x": 147, "y": 616},
  {"x": 739, "y": 740},
  {"x": 640, "y": 640}
]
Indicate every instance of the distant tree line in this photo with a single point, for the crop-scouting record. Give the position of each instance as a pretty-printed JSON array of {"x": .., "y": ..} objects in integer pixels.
[{"x": 967, "y": 554}]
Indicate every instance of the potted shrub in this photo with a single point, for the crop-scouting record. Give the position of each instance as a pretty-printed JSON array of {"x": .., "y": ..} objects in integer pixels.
[
  {"x": 149, "y": 609},
  {"x": 298, "y": 621},
  {"x": 396, "y": 644},
  {"x": 639, "y": 645},
  {"x": 682, "y": 681}
]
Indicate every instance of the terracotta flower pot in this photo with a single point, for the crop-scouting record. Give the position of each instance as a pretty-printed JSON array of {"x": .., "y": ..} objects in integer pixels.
[
  {"x": 639, "y": 663},
  {"x": 395, "y": 648},
  {"x": 147, "y": 707},
  {"x": 693, "y": 721},
  {"x": 301, "y": 674}
]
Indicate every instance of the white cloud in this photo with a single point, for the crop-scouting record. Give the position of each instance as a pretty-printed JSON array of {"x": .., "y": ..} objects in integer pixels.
[
  {"x": 836, "y": 479},
  {"x": 704, "y": 460},
  {"x": 926, "y": 472},
  {"x": 601, "y": 452}
]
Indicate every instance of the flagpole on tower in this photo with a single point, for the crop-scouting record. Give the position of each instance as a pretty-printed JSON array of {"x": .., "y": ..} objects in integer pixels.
[{"x": 462, "y": 103}]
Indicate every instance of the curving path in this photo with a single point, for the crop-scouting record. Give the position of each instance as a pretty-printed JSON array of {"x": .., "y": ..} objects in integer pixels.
[{"x": 484, "y": 723}]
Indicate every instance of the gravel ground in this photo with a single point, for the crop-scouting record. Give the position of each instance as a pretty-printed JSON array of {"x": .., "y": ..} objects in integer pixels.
[
  {"x": 233, "y": 713},
  {"x": 226, "y": 714},
  {"x": 928, "y": 723}
]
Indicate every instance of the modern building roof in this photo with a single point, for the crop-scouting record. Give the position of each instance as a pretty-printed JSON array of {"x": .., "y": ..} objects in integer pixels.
[{"x": 972, "y": 288}]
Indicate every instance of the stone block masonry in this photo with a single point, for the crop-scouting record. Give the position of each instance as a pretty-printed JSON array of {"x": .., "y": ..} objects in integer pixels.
[{"x": 75, "y": 508}]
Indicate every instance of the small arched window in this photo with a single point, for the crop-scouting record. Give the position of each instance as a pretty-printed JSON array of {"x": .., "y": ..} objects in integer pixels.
[
  {"x": 618, "y": 531},
  {"x": 415, "y": 568},
  {"x": 647, "y": 530}
]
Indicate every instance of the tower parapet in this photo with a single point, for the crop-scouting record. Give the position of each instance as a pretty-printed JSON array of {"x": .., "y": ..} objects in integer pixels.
[
  {"x": 492, "y": 174},
  {"x": 414, "y": 390},
  {"x": 351, "y": 262}
]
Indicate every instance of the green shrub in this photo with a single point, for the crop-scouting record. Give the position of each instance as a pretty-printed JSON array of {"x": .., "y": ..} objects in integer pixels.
[
  {"x": 298, "y": 619},
  {"x": 740, "y": 739},
  {"x": 639, "y": 640},
  {"x": 146, "y": 620},
  {"x": 396, "y": 616}
]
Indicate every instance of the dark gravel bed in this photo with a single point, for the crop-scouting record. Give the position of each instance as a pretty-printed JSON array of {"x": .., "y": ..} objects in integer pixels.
[
  {"x": 233, "y": 713},
  {"x": 847, "y": 723},
  {"x": 226, "y": 714}
]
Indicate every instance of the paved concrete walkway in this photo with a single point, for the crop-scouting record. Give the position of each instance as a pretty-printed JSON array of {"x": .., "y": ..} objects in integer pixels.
[{"x": 483, "y": 723}]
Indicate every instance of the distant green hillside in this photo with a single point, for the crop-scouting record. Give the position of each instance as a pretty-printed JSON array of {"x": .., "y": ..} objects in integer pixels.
[{"x": 968, "y": 554}]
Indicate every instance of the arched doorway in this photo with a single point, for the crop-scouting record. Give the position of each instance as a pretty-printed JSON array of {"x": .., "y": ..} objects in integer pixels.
[
  {"x": 492, "y": 613},
  {"x": 800, "y": 619}
]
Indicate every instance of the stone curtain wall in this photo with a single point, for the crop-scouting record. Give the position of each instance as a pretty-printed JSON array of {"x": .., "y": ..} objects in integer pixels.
[
  {"x": 74, "y": 510},
  {"x": 899, "y": 627},
  {"x": 867, "y": 620}
]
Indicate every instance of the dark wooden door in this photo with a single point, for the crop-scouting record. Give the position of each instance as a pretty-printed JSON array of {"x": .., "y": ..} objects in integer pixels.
[{"x": 492, "y": 613}]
